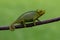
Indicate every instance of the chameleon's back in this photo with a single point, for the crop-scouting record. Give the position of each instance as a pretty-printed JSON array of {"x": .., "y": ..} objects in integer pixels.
[{"x": 27, "y": 16}]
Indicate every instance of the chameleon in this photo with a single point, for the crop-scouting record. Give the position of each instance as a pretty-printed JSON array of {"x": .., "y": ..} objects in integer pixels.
[{"x": 30, "y": 16}]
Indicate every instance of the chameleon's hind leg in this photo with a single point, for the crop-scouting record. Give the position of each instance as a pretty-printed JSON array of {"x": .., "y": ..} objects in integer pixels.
[{"x": 23, "y": 23}]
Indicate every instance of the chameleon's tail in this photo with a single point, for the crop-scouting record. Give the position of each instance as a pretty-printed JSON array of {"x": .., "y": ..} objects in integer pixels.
[{"x": 12, "y": 27}]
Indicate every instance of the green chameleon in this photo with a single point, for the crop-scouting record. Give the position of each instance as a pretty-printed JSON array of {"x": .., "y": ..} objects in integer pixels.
[{"x": 30, "y": 16}]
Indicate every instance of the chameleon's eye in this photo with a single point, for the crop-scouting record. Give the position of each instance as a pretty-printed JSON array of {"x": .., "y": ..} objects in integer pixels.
[{"x": 41, "y": 11}]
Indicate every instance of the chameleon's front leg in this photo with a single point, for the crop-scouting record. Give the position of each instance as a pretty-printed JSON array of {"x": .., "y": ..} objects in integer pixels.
[
  {"x": 34, "y": 22},
  {"x": 38, "y": 20},
  {"x": 34, "y": 18}
]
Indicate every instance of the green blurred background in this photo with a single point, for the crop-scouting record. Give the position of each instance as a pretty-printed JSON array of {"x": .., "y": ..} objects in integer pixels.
[{"x": 10, "y": 10}]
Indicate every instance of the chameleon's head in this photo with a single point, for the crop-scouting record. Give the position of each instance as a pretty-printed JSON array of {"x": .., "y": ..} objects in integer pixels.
[{"x": 41, "y": 12}]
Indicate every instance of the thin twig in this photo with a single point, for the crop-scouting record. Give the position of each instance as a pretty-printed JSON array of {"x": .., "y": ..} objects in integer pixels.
[{"x": 31, "y": 24}]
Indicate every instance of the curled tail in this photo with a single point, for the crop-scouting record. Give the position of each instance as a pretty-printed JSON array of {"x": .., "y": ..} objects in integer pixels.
[{"x": 12, "y": 27}]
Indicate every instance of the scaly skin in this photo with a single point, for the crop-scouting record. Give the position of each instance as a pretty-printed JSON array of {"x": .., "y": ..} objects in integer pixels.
[{"x": 30, "y": 16}]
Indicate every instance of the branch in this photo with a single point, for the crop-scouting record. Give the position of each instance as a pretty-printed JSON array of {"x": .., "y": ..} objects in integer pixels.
[{"x": 31, "y": 24}]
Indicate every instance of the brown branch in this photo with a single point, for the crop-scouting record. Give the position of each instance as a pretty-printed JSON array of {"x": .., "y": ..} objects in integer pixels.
[{"x": 31, "y": 24}]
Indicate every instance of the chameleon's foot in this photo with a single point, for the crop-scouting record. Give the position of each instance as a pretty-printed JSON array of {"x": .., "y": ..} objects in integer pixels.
[{"x": 12, "y": 28}]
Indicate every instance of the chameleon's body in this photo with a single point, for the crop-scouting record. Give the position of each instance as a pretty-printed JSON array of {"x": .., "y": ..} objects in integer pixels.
[{"x": 30, "y": 16}]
